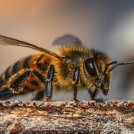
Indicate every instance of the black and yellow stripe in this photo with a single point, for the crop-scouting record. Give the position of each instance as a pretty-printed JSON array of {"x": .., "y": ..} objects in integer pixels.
[
  {"x": 11, "y": 70},
  {"x": 26, "y": 62},
  {"x": 39, "y": 65}
]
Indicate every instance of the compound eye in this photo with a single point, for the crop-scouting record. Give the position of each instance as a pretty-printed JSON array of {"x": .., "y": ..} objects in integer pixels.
[{"x": 90, "y": 67}]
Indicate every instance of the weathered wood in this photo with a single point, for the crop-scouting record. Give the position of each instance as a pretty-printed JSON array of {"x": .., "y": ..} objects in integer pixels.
[{"x": 115, "y": 117}]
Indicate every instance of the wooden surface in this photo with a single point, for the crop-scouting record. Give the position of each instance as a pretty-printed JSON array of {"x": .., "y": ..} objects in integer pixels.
[{"x": 113, "y": 117}]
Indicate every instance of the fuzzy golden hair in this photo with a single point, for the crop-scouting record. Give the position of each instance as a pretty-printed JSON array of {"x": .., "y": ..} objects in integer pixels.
[{"x": 65, "y": 70}]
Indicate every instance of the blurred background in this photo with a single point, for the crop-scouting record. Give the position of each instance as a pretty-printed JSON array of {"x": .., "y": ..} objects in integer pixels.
[{"x": 107, "y": 25}]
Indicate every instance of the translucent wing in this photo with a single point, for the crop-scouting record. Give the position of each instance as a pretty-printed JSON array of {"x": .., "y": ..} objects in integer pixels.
[
  {"x": 14, "y": 42},
  {"x": 68, "y": 39}
]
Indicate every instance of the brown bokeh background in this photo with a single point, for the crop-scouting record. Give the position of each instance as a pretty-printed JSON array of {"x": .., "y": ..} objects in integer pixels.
[{"x": 106, "y": 25}]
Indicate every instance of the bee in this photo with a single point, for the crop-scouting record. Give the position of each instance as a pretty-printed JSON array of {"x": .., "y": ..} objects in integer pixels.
[{"x": 73, "y": 67}]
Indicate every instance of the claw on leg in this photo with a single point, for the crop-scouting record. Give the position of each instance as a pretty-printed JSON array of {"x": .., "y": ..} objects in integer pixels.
[{"x": 48, "y": 99}]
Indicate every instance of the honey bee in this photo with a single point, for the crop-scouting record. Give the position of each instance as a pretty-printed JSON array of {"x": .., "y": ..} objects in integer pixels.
[{"x": 74, "y": 67}]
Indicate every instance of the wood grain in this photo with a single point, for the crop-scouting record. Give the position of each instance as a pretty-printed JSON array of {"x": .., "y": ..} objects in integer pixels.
[{"x": 112, "y": 117}]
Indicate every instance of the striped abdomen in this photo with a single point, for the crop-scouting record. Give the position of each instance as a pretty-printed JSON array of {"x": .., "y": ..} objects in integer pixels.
[
  {"x": 37, "y": 63},
  {"x": 13, "y": 69}
]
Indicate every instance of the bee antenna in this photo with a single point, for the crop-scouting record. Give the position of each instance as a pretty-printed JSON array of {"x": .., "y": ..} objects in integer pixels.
[
  {"x": 106, "y": 68},
  {"x": 122, "y": 63}
]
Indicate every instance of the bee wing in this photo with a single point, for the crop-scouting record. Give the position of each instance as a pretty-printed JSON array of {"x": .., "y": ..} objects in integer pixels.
[
  {"x": 14, "y": 42},
  {"x": 68, "y": 39}
]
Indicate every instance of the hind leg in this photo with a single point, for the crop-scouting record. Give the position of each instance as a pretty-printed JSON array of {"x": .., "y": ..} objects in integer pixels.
[
  {"x": 39, "y": 95},
  {"x": 16, "y": 83}
]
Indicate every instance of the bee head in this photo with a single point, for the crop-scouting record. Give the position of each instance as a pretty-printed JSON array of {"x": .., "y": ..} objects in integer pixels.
[{"x": 98, "y": 75}]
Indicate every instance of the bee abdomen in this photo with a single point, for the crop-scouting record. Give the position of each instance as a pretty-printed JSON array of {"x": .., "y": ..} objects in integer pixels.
[
  {"x": 9, "y": 72},
  {"x": 26, "y": 62},
  {"x": 13, "y": 69},
  {"x": 5, "y": 94}
]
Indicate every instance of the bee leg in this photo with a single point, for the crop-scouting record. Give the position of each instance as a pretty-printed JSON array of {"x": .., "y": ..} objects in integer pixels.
[
  {"x": 75, "y": 82},
  {"x": 49, "y": 87},
  {"x": 93, "y": 94},
  {"x": 39, "y": 95},
  {"x": 16, "y": 83}
]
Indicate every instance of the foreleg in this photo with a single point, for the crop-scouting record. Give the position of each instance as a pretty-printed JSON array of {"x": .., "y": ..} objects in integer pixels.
[{"x": 93, "y": 94}]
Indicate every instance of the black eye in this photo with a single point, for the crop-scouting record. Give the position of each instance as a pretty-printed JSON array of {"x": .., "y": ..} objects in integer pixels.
[{"x": 90, "y": 67}]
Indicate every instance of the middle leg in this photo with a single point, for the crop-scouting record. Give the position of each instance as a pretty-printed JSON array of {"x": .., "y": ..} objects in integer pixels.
[
  {"x": 75, "y": 82},
  {"x": 49, "y": 87}
]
